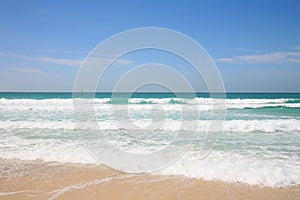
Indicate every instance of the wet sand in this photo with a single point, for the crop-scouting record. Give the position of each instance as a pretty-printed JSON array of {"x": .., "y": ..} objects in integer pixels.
[{"x": 50, "y": 180}]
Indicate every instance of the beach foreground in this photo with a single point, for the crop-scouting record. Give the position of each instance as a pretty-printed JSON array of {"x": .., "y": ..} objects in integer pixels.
[{"x": 50, "y": 180}]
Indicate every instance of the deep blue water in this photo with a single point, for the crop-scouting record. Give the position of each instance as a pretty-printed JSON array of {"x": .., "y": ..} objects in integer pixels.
[{"x": 68, "y": 95}]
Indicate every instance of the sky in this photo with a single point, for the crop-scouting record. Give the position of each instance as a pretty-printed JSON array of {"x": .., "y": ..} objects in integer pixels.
[{"x": 254, "y": 44}]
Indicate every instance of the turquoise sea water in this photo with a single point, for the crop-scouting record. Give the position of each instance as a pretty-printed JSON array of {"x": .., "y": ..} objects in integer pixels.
[{"x": 259, "y": 143}]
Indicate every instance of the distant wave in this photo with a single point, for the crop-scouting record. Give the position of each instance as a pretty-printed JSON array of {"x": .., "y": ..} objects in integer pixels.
[
  {"x": 205, "y": 102},
  {"x": 293, "y": 101}
]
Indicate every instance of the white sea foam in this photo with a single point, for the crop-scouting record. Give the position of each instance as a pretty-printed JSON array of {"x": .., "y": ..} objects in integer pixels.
[
  {"x": 44, "y": 129},
  {"x": 58, "y": 104},
  {"x": 219, "y": 165},
  {"x": 232, "y": 167},
  {"x": 13, "y": 147},
  {"x": 248, "y": 126},
  {"x": 56, "y": 193}
]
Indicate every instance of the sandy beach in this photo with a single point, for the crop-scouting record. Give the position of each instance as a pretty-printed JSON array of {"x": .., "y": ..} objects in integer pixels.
[{"x": 50, "y": 180}]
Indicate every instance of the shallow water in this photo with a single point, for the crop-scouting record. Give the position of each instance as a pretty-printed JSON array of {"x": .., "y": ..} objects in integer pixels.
[{"x": 259, "y": 143}]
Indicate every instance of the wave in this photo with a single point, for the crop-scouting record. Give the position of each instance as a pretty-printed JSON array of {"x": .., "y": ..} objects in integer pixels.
[
  {"x": 219, "y": 165},
  {"x": 256, "y": 147},
  {"x": 293, "y": 101},
  {"x": 230, "y": 167},
  {"x": 242, "y": 126},
  {"x": 199, "y": 101}
]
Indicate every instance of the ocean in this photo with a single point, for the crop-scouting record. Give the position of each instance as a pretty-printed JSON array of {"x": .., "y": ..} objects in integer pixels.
[{"x": 259, "y": 143}]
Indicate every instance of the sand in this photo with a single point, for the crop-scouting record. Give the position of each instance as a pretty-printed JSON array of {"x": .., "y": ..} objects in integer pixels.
[{"x": 50, "y": 180}]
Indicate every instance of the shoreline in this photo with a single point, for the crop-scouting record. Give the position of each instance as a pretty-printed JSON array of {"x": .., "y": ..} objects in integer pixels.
[{"x": 52, "y": 180}]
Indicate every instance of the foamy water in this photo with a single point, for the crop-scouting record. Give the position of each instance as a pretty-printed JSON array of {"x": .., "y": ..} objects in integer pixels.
[{"x": 260, "y": 142}]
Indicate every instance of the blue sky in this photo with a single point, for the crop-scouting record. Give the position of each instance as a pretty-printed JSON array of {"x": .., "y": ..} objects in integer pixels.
[{"x": 255, "y": 44}]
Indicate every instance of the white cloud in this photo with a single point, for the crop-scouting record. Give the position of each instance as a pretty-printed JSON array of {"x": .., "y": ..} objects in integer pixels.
[
  {"x": 225, "y": 60},
  {"x": 59, "y": 61},
  {"x": 74, "y": 62},
  {"x": 51, "y": 51},
  {"x": 296, "y": 48},
  {"x": 267, "y": 58},
  {"x": 26, "y": 70},
  {"x": 62, "y": 61},
  {"x": 247, "y": 50},
  {"x": 10, "y": 54},
  {"x": 67, "y": 52}
]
